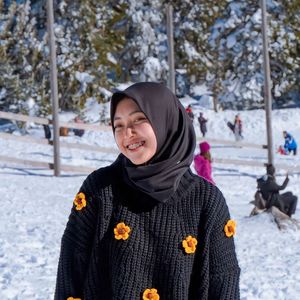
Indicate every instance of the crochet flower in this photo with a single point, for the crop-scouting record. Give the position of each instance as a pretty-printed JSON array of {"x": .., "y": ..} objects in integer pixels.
[
  {"x": 121, "y": 231},
  {"x": 230, "y": 228},
  {"x": 189, "y": 244},
  {"x": 150, "y": 294},
  {"x": 71, "y": 298},
  {"x": 80, "y": 201}
]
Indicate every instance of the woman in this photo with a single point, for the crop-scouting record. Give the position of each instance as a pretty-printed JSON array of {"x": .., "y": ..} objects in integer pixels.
[
  {"x": 202, "y": 162},
  {"x": 145, "y": 227},
  {"x": 267, "y": 185}
]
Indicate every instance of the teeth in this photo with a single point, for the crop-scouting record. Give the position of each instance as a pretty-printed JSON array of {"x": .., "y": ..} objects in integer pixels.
[{"x": 134, "y": 146}]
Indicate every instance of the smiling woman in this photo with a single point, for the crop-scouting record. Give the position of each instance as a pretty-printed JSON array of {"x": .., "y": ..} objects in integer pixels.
[
  {"x": 133, "y": 132},
  {"x": 149, "y": 228}
]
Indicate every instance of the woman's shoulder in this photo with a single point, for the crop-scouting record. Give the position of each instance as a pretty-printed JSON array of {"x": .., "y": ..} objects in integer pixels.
[
  {"x": 198, "y": 182},
  {"x": 102, "y": 177},
  {"x": 207, "y": 190}
]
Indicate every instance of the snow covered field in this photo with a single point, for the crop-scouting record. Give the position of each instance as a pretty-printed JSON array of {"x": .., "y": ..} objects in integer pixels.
[{"x": 35, "y": 208}]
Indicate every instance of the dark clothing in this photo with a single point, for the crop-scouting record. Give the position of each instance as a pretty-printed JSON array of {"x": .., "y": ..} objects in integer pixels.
[
  {"x": 78, "y": 132},
  {"x": 190, "y": 113},
  {"x": 286, "y": 202},
  {"x": 47, "y": 131},
  {"x": 175, "y": 136},
  {"x": 202, "y": 122},
  {"x": 93, "y": 265}
]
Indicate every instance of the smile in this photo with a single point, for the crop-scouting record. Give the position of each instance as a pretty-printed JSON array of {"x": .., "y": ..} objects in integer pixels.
[{"x": 135, "y": 145}]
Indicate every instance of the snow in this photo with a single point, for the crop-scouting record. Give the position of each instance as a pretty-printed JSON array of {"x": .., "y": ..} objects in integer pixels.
[{"x": 35, "y": 206}]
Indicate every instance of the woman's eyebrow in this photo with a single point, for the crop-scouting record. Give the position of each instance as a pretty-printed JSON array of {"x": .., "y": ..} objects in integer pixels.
[{"x": 130, "y": 114}]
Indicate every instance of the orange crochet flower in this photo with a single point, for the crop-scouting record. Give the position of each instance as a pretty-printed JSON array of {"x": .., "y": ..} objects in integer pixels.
[
  {"x": 80, "y": 201},
  {"x": 71, "y": 298},
  {"x": 150, "y": 294},
  {"x": 230, "y": 228},
  {"x": 121, "y": 231},
  {"x": 189, "y": 244}
]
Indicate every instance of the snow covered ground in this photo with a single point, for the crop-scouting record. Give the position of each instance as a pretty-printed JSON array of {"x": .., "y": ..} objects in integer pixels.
[{"x": 35, "y": 208}]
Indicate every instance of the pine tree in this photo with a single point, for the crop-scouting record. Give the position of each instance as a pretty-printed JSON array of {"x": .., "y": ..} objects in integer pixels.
[
  {"x": 145, "y": 52},
  {"x": 240, "y": 50},
  {"x": 22, "y": 66},
  {"x": 88, "y": 42},
  {"x": 193, "y": 22}
]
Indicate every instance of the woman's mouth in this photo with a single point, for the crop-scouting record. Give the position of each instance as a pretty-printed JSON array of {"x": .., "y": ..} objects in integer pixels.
[{"x": 135, "y": 145}]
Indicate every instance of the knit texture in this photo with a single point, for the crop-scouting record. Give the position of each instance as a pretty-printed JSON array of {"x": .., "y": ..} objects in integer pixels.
[{"x": 95, "y": 265}]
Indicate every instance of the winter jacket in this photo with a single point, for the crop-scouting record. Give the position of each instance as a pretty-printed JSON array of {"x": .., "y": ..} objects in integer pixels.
[
  {"x": 202, "y": 122},
  {"x": 286, "y": 202},
  {"x": 238, "y": 126},
  {"x": 203, "y": 167},
  {"x": 118, "y": 245},
  {"x": 190, "y": 113},
  {"x": 289, "y": 142}
]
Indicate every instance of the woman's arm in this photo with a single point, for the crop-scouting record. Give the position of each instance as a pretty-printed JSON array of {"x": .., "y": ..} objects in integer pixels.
[
  {"x": 76, "y": 246},
  {"x": 221, "y": 259},
  {"x": 273, "y": 187}
]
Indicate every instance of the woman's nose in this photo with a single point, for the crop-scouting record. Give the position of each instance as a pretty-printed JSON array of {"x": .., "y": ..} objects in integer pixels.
[{"x": 129, "y": 131}]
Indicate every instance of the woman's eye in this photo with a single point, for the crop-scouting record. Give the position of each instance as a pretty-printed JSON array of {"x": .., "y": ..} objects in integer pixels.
[
  {"x": 140, "y": 119},
  {"x": 118, "y": 126}
]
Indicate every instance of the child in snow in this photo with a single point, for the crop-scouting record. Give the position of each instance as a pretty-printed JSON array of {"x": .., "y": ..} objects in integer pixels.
[
  {"x": 202, "y": 162},
  {"x": 146, "y": 227},
  {"x": 281, "y": 150}
]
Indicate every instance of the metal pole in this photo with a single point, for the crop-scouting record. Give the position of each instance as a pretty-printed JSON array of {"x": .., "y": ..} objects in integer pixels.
[
  {"x": 54, "y": 88},
  {"x": 267, "y": 84},
  {"x": 171, "y": 48}
]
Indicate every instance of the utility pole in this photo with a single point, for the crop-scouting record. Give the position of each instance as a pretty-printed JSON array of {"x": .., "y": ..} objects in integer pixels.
[
  {"x": 267, "y": 83},
  {"x": 54, "y": 88},
  {"x": 171, "y": 48}
]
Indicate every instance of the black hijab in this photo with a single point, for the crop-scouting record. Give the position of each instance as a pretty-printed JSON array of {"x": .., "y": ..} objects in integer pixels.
[{"x": 175, "y": 135}]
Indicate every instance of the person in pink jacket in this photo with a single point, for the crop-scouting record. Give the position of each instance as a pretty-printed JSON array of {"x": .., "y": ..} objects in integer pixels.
[{"x": 202, "y": 162}]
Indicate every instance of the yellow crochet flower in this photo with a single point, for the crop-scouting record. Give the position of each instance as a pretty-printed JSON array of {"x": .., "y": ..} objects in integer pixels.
[
  {"x": 71, "y": 298},
  {"x": 150, "y": 294},
  {"x": 121, "y": 231},
  {"x": 80, "y": 201},
  {"x": 230, "y": 228},
  {"x": 189, "y": 244}
]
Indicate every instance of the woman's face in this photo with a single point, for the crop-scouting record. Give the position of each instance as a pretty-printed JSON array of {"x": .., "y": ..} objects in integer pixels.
[{"x": 134, "y": 134}]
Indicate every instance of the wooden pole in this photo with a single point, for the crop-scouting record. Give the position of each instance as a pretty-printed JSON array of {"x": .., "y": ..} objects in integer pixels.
[
  {"x": 171, "y": 48},
  {"x": 267, "y": 84},
  {"x": 54, "y": 88}
]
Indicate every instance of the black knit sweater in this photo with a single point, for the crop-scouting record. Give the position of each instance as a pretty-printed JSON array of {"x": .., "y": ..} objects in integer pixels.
[{"x": 95, "y": 265}]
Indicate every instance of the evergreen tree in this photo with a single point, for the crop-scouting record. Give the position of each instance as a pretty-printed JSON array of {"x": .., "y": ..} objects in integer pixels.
[
  {"x": 193, "y": 22},
  {"x": 87, "y": 45},
  {"x": 144, "y": 56},
  {"x": 240, "y": 49},
  {"x": 22, "y": 68}
]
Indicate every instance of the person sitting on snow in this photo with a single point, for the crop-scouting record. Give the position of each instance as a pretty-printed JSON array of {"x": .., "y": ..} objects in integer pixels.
[
  {"x": 269, "y": 190},
  {"x": 281, "y": 150},
  {"x": 290, "y": 144}
]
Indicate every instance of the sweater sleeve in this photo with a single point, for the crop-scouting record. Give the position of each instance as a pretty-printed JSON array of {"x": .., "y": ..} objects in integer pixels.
[
  {"x": 222, "y": 261},
  {"x": 76, "y": 247},
  {"x": 273, "y": 187}
]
